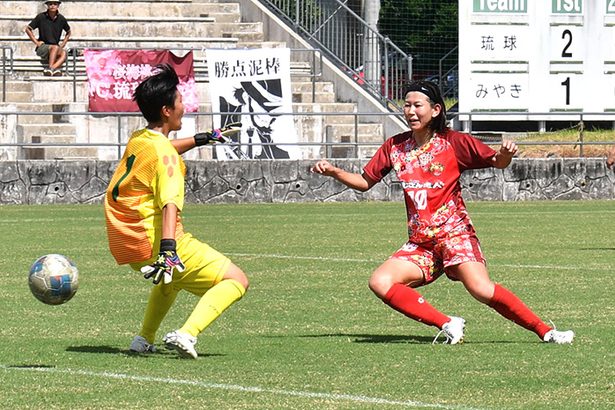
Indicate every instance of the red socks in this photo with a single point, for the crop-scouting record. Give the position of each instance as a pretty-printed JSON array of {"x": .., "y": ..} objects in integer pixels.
[
  {"x": 511, "y": 307},
  {"x": 409, "y": 302}
]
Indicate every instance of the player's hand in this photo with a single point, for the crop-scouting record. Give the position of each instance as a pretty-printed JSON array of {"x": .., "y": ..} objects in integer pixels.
[
  {"x": 323, "y": 167},
  {"x": 223, "y": 135},
  {"x": 164, "y": 265},
  {"x": 508, "y": 149}
]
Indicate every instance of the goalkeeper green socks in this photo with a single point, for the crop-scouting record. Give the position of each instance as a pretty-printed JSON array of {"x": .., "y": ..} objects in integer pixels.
[{"x": 215, "y": 301}]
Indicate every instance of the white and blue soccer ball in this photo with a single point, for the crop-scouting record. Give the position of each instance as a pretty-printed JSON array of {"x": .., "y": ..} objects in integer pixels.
[{"x": 53, "y": 279}]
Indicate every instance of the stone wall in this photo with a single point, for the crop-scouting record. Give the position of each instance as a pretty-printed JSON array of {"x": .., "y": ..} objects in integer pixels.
[{"x": 69, "y": 182}]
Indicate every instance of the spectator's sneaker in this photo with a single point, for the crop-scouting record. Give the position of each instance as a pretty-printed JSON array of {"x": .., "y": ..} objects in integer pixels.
[
  {"x": 453, "y": 331},
  {"x": 56, "y": 73},
  {"x": 47, "y": 72},
  {"x": 559, "y": 337},
  {"x": 140, "y": 345},
  {"x": 183, "y": 343}
]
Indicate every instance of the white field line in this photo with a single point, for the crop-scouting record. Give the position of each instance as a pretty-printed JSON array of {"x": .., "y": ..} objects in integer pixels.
[
  {"x": 234, "y": 387},
  {"x": 331, "y": 259}
]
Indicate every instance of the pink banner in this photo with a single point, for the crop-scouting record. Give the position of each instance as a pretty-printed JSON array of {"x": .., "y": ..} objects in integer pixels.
[{"x": 113, "y": 76}]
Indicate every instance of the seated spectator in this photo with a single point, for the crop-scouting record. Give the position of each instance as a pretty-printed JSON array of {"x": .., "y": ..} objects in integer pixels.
[{"x": 49, "y": 48}]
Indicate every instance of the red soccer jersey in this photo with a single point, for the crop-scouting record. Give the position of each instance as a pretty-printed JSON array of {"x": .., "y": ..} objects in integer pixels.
[{"x": 429, "y": 176}]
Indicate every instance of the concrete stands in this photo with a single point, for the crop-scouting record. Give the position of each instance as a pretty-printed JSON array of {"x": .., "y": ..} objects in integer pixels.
[{"x": 53, "y": 110}]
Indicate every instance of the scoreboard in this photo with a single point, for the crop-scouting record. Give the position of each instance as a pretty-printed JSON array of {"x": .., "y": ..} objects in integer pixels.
[{"x": 541, "y": 57}]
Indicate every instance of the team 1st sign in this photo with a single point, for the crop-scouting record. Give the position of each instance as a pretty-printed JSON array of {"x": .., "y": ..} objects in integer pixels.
[{"x": 538, "y": 60}]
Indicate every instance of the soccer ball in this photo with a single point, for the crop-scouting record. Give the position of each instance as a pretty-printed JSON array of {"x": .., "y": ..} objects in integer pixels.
[{"x": 53, "y": 279}]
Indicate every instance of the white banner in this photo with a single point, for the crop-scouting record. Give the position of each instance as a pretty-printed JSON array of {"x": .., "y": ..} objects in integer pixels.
[{"x": 253, "y": 85}]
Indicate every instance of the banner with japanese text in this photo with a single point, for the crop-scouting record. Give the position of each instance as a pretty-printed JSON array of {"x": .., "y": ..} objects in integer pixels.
[
  {"x": 253, "y": 87},
  {"x": 113, "y": 76}
]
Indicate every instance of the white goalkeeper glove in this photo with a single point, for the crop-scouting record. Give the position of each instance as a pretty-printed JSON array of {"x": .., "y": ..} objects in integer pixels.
[{"x": 223, "y": 135}]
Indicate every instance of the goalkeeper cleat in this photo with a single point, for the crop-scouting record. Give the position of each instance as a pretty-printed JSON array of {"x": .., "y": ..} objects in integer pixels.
[
  {"x": 183, "y": 343},
  {"x": 453, "y": 331},
  {"x": 140, "y": 345},
  {"x": 559, "y": 337}
]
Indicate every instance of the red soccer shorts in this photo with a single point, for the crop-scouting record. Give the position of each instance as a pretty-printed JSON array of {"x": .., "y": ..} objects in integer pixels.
[{"x": 434, "y": 257}]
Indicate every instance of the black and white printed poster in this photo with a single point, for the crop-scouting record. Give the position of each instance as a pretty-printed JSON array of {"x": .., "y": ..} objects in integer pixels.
[{"x": 253, "y": 86}]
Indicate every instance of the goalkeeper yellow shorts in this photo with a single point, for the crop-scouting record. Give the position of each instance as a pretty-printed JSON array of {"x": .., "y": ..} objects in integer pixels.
[{"x": 205, "y": 266}]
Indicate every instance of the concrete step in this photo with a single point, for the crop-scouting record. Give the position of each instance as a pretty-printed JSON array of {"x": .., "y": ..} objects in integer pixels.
[
  {"x": 18, "y": 96},
  {"x": 32, "y": 107},
  {"x": 26, "y": 131},
  {"x": 320, "y": 86},
  {"x": 121, "y": 8},
  {"x": 263, "y": 44},
  {"x": 328, "y": 108},
  {"x": 319, "y": 97},
  {"x": 225, "y": 17},
  {"x": 73, "y": 153},
  {"x": 23, "y": 46},
  {"x": 20, "y": 86},
  {"x": 23, "y": 20},
  {"x": 35, "y": 113},
  {"x": 129, "y": 27},
  {"x": 57, "y": 152},
  {"x": 341, "y": 113},
  {"x": 346, "y": 133},
  {"x": 53, "y": 139},
  {"x": 104, "y": 29},
  {"x": 35, "y": 118}
]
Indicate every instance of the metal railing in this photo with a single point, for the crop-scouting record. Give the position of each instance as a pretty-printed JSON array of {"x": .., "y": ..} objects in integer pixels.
[
  {"x": 314, "y": 59},
  {"x": 368, "y": 57},
  {"x": 351, "y": 146},
  {"x": 448, "y": 78},
  {"x": 74, "y": 67},
  {"x": 7, "y": 67}
]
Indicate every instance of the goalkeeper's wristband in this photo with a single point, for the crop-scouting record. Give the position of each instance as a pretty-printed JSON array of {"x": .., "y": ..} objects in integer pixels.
[
  {"x": 167, "y": 245},
  {"x": 202, "y": 138}
]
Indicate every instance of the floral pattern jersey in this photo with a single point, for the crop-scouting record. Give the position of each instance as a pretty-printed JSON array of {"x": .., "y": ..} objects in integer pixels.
[{"x": 429, "y": 176}]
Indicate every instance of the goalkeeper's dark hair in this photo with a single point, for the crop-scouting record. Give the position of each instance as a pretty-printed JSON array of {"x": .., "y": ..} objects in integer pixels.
[
  {"x": 156, "y": 92},
  {"x": 432, "y": 91}
]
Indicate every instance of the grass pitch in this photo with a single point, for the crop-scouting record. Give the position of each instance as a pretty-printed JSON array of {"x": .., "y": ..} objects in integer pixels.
[{"x": 309, "y": 334}]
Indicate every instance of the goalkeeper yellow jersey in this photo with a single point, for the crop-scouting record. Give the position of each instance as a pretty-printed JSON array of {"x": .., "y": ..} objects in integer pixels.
[{"x": 149, "y": 176}]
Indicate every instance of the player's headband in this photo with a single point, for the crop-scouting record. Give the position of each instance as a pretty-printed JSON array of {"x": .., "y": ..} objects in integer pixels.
[{"x": 432, "y": 94}]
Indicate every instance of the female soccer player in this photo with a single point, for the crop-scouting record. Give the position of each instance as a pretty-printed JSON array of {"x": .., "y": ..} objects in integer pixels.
[
  {"x": 428, "y": 161},
  {"x": 143, "y": 204}
]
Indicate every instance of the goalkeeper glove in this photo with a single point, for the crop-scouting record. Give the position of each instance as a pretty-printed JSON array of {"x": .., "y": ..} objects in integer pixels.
[
  {"x": 164, "y": 265},
  {"x": 218, "y": 135}
]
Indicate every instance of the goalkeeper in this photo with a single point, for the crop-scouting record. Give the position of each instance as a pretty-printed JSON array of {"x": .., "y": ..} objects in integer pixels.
[{"x": 143, "y": 206}]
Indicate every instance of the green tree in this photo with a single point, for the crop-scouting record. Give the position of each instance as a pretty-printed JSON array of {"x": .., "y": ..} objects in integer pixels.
[{"x": 425, "y": 29}]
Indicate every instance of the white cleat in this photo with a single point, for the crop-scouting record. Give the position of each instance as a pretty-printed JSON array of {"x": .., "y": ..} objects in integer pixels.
[
  {"x": 453, "y": 331},
  {"x": 183, "y": 343},
  {"x": 140, "y": 345},
  {"x": 559, "y": 337}
]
